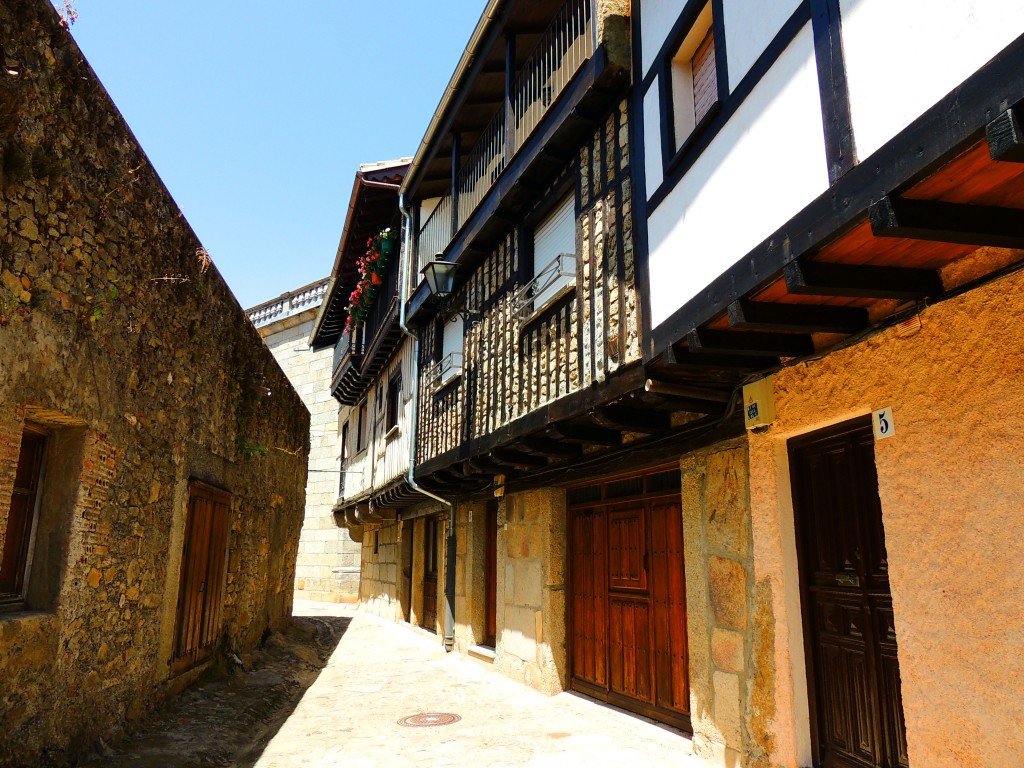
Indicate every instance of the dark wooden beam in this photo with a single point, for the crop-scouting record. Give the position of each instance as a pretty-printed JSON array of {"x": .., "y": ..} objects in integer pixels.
[
  {"x": 578, "y": 434},
  {"x": 750, "y": 343},
  {"x": 631, "y": 419},
  {"x": 482, "y": 465},
  {"x": 684, "y": 360},
  {"x": 687, "y": 391},
  {"x": 1005, "y": 138},
  {"x": 821, "y": 278},
  {"x": 804, "y": 318},
  {"x": 947, "y": 222},
  {"x": 517, "y": 459},
  {"x": 553, "y": 448}
]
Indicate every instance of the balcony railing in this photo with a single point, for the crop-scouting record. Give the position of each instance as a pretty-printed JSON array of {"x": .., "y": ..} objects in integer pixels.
[
  {"x": 446, "y": 369},
  {"x": 350, "y": 344},
  {"x": 563, "y": 48}
]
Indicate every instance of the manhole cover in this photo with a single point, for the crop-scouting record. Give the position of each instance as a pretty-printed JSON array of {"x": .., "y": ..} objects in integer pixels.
[{"x": 429, "y": 719}]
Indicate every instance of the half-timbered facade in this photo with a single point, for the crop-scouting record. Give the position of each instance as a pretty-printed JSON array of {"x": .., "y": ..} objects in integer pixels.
[
  {"x": 535, "y": 417},
  {"x": 373, "y": 380},
  {"x": 828, "y": 199}
]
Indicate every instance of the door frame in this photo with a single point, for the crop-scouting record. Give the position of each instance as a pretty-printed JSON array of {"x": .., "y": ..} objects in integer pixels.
[
  {"x": 792, "y": 445},
  {"x": 674, "y": 719}
]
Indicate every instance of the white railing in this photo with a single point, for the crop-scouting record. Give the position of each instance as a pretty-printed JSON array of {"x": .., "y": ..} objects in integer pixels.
[
  {"x": 483, "y": 166},
  {"x": 436, "y": 232},
  {"x": 549, "y": 283},
  {"x": 563, "y": 48},
  {"x": 289, "y": 304},
  {"x": 446, "y": 369}
]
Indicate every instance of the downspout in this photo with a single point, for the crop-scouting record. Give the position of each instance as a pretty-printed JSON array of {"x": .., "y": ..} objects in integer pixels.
[{"x": 449, "y": 575}]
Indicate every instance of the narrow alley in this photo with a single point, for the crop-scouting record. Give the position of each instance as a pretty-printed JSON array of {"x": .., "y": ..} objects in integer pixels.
[{"x": 288, "y": 711}]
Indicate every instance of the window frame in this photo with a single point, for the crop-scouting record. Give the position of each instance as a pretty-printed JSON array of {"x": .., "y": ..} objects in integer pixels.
[
  {"x": 393, "y": 404},
  {"x": 689, "y": 25},
  {"x": 362, "y": 430}
]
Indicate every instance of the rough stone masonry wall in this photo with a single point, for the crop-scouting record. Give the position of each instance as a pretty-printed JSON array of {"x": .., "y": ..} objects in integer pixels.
[
  {"x": 118, "y": 333},
  {"x": 378, "y": 587},
  {"x": 724, "y": 616},
  {"x": 950, "y": 486},
  {"x": 328, "y": 561},
  {"x": 531, "y": 589},
  {"x": 512, "y": 367}
]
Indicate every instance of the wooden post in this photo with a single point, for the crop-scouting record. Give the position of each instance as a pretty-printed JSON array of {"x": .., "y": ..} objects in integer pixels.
[
  {"x": 510, "y": 100},
  {"x": 456, "y": 153}
]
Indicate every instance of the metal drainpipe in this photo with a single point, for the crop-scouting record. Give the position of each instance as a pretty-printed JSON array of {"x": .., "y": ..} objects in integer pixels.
[{"x": 449, "y": 576}]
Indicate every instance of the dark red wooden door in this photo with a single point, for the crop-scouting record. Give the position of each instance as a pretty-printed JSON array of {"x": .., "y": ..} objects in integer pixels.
[
  {"x": 201, "y": 590},
  {"x": 848, "y": 614},
  {"x": 491, "y": 575},
  {"x": 629, "y": 597},
  {"x": 20, "y": 516},
  {"x": 430, "y": 575}
]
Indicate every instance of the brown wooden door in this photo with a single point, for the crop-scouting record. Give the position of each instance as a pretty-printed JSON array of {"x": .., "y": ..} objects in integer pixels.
[
  {"x": 430, "y": 575},
  {"x": 628, "y": 598},
  {"x": 491, "y": 575},
  {"x": 201, "y": 590},
  {"x": 848, "y": 616},
  {"x": 20, "y": 516}
]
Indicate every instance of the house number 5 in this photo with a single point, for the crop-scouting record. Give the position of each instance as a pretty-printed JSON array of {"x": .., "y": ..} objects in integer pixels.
[{"x": 883, "y": 423}]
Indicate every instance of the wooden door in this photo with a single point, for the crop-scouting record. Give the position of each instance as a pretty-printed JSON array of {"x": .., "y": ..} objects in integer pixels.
[
  {"x": 491, "y": 575},
  {"x": 407, "y": 549},
  {"x": 203, "y": 566},
  {"x": 14, "y": 558},
  {"x": 849, "y": 626},
  {"x": 628, "y": 596},
  {"x": 430, "y": 575}
]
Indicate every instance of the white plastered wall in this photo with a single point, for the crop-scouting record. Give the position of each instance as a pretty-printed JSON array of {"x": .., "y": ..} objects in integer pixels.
[
  {"x": 903, "y": 57},
  {"x": 764, "y": 166}
]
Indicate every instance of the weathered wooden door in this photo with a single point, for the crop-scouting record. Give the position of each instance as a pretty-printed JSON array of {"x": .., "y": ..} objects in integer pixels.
[
  {"x": 628, "y": 601},
  {"x": 848, "y": 616},
  {"x": 14, "y": 558},
  {"x": 203, "y": 564},
  {"x": 430, "y": 575},
  {"x": 491, "y": 575}
]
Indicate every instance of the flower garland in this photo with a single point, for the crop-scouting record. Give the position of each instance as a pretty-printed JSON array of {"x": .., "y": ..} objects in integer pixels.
[{"x": 372, "y": 266}]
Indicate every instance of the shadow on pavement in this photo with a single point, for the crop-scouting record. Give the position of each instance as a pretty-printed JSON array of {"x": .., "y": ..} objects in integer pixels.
[{"x": 229, "y": 717}]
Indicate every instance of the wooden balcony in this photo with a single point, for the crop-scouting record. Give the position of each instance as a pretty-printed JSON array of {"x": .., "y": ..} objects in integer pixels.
[
  {"x": 348, "y": 354},
  {"x": 564, "y": 47}
]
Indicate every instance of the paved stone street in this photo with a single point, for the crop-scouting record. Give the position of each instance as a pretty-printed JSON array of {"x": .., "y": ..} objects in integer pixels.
[{"x": 288, "y": 712}]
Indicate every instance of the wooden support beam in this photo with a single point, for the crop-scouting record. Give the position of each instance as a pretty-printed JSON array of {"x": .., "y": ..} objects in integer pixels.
[
  {"x": 805, "y": 318},
  {"x": 631, "y": 419},
  {"x": 593, "y": 435},
  {"x": 674, "y": 389},
  {"x": 750, "y": 343},
  {"x": 518, "y": 459},
  {"x": 482, "y": 465},
  {"x": 943, "y": 222},
  {"x": 553, "y": 448},
  {"x": 684, "y": 360},
  {"x": 1005, "y": 138},
  {"x": 821, "y": 278}
]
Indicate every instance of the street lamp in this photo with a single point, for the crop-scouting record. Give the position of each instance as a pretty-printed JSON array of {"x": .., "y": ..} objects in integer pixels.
[{"x": 440, "y": 277}]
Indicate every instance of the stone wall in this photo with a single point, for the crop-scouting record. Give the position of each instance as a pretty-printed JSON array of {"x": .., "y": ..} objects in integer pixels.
[
  {"x": 118, "y": 335},
  {"x": 724, "y": 647},
  {"x": 514, "y": 365},
  {"x": 379, "y": 582},
  {"x": 328, "y": 560},
  {"x": 950, "y": 486},
  {"x": 531, "y": 589}
]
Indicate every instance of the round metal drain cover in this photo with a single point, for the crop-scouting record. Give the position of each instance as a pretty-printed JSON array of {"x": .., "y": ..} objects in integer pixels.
[{"x": 429, "y": 719}]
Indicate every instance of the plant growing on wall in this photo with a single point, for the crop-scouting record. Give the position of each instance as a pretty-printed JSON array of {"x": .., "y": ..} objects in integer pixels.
[{"x": 371, "y": 266}]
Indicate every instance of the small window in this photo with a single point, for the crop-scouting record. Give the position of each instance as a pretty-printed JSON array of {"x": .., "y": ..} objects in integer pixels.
[
  {"x": 21, "y": 517},
  {"x": 554, "y": 254},
  {"x": 393, "y": 403},
  {"x": 361, "y": 426},
  {"x": 694, "y": 77}
]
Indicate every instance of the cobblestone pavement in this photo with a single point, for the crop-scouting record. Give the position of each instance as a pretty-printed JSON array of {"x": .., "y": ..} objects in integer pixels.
[{"x": 288, "y": 712}]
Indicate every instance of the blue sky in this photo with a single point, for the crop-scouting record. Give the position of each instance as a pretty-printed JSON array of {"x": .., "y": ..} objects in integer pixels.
[{"x": 256, "y": 115}]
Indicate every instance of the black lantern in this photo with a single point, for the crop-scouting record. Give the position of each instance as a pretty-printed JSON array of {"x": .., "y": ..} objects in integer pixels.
[{"x": 440, "y": 277}]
